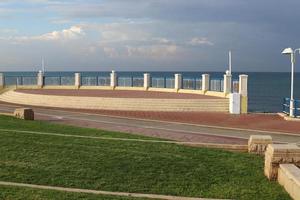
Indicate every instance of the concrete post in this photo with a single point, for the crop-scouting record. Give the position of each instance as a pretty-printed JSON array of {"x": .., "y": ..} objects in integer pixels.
[
  {"x": 257, "y": 144},
  {"x": 146, "y": 81},
  {"x": 277, "y": 154},
  {"x": 113, "y": 79},
  {"x": 235, "y": 103},
  {"x": 227, "y": 83},
  {"x": 178, "y": 82},
  {"x": 1, "y": 80},
  {"x": 205, "y": 82},
  {"x": 243, "y": 90},
  {"x": 77, "y": 80},
  {"x": 40, "y": 79}
]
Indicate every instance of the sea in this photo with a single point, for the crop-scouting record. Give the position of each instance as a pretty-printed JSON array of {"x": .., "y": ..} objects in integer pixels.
[{"x": 266, "y": 90}]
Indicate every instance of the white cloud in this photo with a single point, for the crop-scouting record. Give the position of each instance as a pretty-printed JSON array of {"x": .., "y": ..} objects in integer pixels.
[
  {"x": 152, "y": 51},
  {"x": 110, "y": 52},
  {"x": 198, "y": 41},
  {"x": 74, "y": 32}
]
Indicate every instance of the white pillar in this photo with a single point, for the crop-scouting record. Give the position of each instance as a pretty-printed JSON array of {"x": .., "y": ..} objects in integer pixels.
[
  {"x": 227, "y": 83},
  {"x": 113, "y": 79},
  {"x": 243, "y": 90},
  {"x": 234, "y": 103},
  {"x": 40, "y": 79},
  {"x": 243, "y": 85},
  {"x": 178, "y": 82},
  {"x": 77, "y": 80},
  {"x": 205, "y": 82},
  {"x": 1, "y": 80},
  {"x": 146, "y": 81}
]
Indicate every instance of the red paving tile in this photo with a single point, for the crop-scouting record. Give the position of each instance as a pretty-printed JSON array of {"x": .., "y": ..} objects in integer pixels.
[{"x": 267, "y": 122}]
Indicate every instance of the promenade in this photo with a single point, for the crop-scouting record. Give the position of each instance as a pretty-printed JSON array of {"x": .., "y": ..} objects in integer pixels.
[
  {"x": 254, "y": 121},
  {"x": 201, "y": 127}
]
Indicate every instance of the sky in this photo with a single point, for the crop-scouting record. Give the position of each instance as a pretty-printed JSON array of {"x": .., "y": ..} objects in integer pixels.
[{"x": 148, "y": 35}]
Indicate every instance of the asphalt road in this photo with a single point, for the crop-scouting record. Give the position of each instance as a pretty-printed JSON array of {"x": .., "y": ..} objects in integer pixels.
[{"x": 167, "y": 130}]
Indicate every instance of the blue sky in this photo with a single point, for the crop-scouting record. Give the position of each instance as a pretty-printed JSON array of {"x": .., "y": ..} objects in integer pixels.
[{"x": 147, "y": 35}]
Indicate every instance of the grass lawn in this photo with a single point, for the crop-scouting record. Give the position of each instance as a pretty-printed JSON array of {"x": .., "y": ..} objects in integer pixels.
[
  {"x": 15, "y": 193},
  {"x": 127, "y": 166}
]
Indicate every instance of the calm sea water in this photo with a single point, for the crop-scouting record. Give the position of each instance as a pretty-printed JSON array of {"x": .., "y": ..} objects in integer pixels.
[{"x": 266, "y": 90}]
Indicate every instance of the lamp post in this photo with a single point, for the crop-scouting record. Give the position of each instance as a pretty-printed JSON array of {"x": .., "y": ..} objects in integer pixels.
[{"x": 291, "y": 52}]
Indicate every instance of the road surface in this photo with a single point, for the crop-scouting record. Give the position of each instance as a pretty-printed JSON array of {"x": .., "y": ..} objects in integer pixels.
[{"x": 161, "y": 129}]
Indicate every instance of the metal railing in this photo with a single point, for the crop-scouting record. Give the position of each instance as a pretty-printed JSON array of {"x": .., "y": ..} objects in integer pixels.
[
  {"x": 216, "y": 85},
  {"x": 20, "y": 80},
  {"x": 192, "y": 83},
  {"x": 89, "y": 81},
  {"x": 297, "y": 108},
  {"x": 235, "y": 86},
  {"x": 59, "y": 80},
  {"x": 188, "y": 83},
  {"x": 124, "y": 81},
  {"x": 103, "y": 81},
  {"x": 286, "y": 107},
  {"x": 95, "y": 81},
  {"x": 158, "y": 82},
  {"x": 137, "y": 82},
  {"x": 170, "y": 82}
]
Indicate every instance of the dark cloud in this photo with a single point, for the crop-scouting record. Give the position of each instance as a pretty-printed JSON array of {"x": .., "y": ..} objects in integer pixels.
[{"x": 256, "y": 31}]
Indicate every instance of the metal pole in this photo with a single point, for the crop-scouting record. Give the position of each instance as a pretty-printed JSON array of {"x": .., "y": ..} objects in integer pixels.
[
  {"x": 292, "y": 85},
  {"x": 230, "y": 62}
]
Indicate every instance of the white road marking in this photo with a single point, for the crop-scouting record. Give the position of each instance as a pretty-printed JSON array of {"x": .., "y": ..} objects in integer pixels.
[
  {"x": 99, "y": 192},
  {"x": 121, "y": 139}
]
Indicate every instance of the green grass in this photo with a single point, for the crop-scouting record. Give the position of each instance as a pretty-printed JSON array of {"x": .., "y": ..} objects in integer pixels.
[
  {"x": 128, "y": 166},
  {"x": 15, "y": 193}
]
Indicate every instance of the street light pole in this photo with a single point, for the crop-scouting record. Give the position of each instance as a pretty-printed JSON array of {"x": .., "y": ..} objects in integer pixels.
[
  {"x": 292, "y": 105},
  {"x": 292, "y": 53}
]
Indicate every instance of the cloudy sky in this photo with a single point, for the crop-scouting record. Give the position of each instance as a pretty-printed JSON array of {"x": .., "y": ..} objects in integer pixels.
[{"x": 147, "y": 35}]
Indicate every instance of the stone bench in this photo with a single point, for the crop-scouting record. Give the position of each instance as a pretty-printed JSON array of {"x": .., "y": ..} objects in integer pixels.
[
  {"x": 277, "y": 154},
  {"x": 24, "y": 113},
  {"x": 289, "y": 178},
  {"x": 258, "y": 144}
]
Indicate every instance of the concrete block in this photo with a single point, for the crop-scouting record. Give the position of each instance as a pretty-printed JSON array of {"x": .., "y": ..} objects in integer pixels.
[
  {"x": 277, "y": 154},
  {"x": 40, "y": 79},
  {"x": 1, "y": 80},
  {"x": 289, "y": 178},
  {"x": 178, "y": 82},
  {"x": 243, "y": 85},
  {"x": 24, "y": 113},
  {"x": 113, "y": 79},
  {"x": 258, "y": 144},
  {"x": 147, "y": 81},
  {"x": 77, "y": 80},
  {"x": 205, "y": 82},
  {"x": 227, "y": 83},
  {"x": 243, "y": 90},
  {"x": 235, "y": 103}
]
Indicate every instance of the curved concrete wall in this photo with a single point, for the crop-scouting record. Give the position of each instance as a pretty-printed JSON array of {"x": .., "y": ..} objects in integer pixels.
[{"x": 130, "y": 104}]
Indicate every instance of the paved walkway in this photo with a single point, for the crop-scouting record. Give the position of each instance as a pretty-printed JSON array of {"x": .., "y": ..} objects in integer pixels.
[
  {"x": 266, "y": 122},
  {"x": 99, "y": 192},
  {"x": 117, "y": 94},
  {"x": 162, "y": 129}
]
